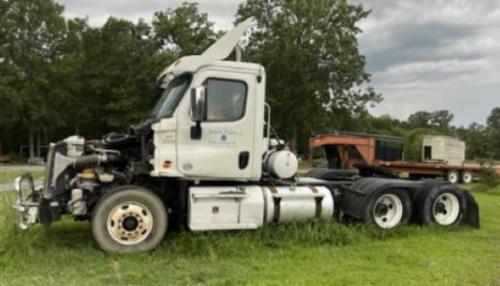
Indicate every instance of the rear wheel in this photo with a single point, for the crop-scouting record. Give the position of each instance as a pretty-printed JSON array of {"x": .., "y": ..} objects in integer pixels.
[
  {"x": 452, "y": 176},
  {"x": 443, "y": 206},
  {"x": 129, "y": 219},
  {"x": 467, "y": 177},
  {"x": 388, "y": 208}
]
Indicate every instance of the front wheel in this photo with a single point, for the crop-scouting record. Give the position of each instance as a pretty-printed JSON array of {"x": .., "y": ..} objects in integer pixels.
[
  {"x": 389, "y": 208},
  {"x": 129, "y": 219}
]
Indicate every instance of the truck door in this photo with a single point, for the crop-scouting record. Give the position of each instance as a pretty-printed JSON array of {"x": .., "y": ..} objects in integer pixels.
[{"x": 225, "y": 148}]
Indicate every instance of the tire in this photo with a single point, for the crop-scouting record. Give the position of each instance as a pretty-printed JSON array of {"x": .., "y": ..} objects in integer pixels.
[
  {"x": 129, "y": 219},
  {"x": 452, "y": 176},
  {"x": 466, "y": 177},
  {"x": 443, "y": 206},
  {"x": 388, "y": 209}
]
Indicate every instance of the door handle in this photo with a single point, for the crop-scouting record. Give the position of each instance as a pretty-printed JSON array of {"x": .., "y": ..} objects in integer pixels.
[{"x": 243, "y": 159}]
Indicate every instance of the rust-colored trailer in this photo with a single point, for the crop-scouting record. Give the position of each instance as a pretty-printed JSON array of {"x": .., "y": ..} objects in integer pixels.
[{"x": 383, "y": 155}]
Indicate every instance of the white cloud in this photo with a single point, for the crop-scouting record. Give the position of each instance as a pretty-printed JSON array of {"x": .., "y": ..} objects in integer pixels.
[
  {"x": 221, "y": 12},
  {"x": 428, "y": 55}
]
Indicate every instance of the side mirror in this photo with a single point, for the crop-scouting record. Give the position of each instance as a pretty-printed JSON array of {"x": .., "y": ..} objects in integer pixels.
[
  {"x": 198, "y": 110},
  {"x": 198, "y": 103}
]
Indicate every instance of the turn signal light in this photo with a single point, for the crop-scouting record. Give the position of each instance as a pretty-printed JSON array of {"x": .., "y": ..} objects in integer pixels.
[{"x": 167, "y": 165}]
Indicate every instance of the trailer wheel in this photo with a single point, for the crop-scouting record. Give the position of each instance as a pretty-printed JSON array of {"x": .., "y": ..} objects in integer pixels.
[
  {"x": 467, "y": 177},
  {"x": 388, "y": 208},
  {"x": 443, "y": 206},
  {"x": 452, "y": 176},
  {"x": 129, "y": 219}
]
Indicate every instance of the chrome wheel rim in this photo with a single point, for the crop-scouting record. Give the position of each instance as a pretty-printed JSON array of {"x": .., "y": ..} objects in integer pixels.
[{"x": 129, "y": 223}]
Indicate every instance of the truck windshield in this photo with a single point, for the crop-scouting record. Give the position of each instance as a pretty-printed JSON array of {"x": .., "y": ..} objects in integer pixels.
[{"x": 171, "y": 96}]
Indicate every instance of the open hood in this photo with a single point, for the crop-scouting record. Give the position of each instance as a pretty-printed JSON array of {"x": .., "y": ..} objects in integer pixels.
[
  {"x": 219, "y": 50},
  {"x": 226, "y": 44}
]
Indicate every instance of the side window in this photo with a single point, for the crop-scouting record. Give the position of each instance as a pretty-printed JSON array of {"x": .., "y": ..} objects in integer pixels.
[{"x": 225, "y": 99}]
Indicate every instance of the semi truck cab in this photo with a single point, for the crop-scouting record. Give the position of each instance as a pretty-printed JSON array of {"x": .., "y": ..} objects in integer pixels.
[
  {"x": 210, "y": 111},
  {"x": 204, "y": 159}
]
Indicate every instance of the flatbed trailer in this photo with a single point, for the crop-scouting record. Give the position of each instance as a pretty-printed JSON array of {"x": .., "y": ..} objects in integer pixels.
[
  {"x": 417, "y": 170},
  {"x": 376, "y": 155}
]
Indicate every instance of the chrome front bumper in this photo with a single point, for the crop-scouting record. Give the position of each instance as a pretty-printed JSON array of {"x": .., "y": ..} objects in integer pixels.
[{"x": 27, "y": 205}]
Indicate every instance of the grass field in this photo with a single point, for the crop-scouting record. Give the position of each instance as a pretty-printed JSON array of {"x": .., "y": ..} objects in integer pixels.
[{"x": 328, "y": 253}]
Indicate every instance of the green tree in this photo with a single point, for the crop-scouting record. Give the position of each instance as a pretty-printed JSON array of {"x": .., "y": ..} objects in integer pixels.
[
  {"x": 126, "y": 56},
  {"x": 493, "y": 123},
  {"x": 439, "y": 120},
  {"x": 32, "y": 32},
  {"x": 420, "y": 119},
  {"x": 9, "y": 98},
  {"x": 116, "y": 79},
  {"x": 384, "y": 124},
  {"x": 10, "y": 107},
  {"x": 184, "y": 30},
  {"x": 315, "y": 73},
  {"x": 476, "y": 141}
]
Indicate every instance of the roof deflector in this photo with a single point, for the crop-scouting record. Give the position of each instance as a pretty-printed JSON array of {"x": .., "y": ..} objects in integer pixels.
[{"x": 225, "y": 45}]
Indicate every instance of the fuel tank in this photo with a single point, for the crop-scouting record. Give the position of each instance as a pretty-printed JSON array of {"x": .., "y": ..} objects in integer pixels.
[{"x": 252, "y": 206}]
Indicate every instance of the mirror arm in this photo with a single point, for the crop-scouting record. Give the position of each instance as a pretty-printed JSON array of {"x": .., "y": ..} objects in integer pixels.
[{"x": 196, "y": 131}]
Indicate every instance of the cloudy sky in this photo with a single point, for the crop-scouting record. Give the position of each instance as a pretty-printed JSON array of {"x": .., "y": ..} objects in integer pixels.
[{"x": 423, "y": 55}]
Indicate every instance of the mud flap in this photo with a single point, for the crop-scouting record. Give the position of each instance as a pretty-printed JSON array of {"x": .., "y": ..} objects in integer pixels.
[
  {"x": 49, "y": 211},
  {"x": 472, "y": 215},
  {"x": 44, "y": 214}
]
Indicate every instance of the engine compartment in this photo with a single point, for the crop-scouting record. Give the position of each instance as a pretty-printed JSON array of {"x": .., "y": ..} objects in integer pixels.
[{"x": 79, "y": 171}]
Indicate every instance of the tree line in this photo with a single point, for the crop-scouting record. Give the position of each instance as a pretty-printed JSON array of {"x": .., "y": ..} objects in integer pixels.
[{"x": 61, "y": 76}]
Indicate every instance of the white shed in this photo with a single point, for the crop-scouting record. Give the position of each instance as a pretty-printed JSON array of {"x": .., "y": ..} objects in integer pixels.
[{"x": 443, "y": 148}]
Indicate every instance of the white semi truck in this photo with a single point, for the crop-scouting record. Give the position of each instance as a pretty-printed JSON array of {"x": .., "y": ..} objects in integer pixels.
[{"x": 205, "y": 159}]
